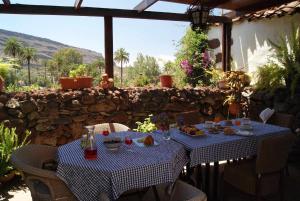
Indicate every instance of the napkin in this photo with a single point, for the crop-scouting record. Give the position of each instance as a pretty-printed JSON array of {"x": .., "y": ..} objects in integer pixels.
[{"x": 266, "y": 114}]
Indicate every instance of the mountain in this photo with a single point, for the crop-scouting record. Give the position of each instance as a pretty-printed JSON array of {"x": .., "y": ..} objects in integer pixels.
[{"x": 45, "y": 47}]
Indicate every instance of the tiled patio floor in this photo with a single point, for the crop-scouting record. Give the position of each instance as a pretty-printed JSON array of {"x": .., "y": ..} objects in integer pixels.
[{"x": 17, "y": 191}]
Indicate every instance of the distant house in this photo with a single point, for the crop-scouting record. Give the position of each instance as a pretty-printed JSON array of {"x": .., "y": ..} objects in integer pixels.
[{"x": 251, "y": 32}]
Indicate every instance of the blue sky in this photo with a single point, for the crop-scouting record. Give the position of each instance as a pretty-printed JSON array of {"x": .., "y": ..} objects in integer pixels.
[{"x": 152, "y": 37}]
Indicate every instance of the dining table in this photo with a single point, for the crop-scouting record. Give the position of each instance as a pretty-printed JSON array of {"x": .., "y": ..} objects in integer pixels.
[
  {"x": 212, "y": 148},
  {"x": 115, "y": 172}
]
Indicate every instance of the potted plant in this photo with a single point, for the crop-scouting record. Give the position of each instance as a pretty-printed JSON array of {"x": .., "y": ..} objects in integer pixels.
[
  {"x": 162, "y": 121},
  {"x": 236, "y": 81},
  {"x": 218, "y": 78},
  {"x": 82, "y": 80},
  {"x": 147, "y": 126},
  {"x": 68, "y": 83},
  {"x": 9, "y": 142}
]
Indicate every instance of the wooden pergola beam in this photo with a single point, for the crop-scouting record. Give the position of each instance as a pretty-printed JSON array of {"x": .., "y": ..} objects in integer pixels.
[
  {"x": 108, "y": 46},
  {"x": 6, "y": 2},
  {"x": 143, "y": 5},
  {"x": 77, "y": 4},
  {"x": 101, "y": 12}
]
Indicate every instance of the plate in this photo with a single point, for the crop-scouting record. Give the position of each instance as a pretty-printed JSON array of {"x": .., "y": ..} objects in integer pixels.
[
  {"x": 246, "y": 127},
  {"x": 192, "y": 135},
  {"x": 244, "y": 133},
  {"x": 141, "y": 144}
]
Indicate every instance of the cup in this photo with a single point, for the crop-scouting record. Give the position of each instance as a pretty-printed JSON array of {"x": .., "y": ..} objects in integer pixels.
[
  {"x": 246, "y": 121},
  {"x": 166, "y": 134},
  {"x": 208, "y": 124}
]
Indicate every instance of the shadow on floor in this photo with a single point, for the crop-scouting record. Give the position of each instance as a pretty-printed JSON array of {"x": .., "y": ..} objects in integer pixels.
[{"x": 292, "y": 190}]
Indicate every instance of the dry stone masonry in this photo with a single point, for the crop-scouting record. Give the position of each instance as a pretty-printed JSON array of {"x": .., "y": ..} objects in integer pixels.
[{"x": 56, "y": 117}]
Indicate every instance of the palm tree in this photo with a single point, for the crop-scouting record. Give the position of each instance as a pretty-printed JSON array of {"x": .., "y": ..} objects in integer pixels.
[
  {"x": 121, "y": 56},
  {"x": 12, "y": 47},
  {"x": 29, "y": 54}
]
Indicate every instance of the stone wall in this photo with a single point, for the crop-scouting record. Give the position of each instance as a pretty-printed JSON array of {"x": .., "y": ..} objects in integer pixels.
[{"x": 57, "y": 117}]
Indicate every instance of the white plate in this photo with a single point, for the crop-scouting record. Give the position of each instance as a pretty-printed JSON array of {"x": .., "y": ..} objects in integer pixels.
[
  {"x": 246, "y": 127},
  {"x": 141, "y": 144},
  {"x": 244, "y": 133}
]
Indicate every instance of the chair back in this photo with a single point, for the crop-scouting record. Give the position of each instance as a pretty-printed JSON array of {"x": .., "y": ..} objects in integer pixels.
[
  {"x": 43, "y": 184},
  {"x": 30, "y": 158},
  {"x": 184, "y": 191},
  {"x": 190, "y": 117},
  {"x": 283, "y": 120},
  {"x": 112, "y": 127},
  {"x": 273, "y": 153}
]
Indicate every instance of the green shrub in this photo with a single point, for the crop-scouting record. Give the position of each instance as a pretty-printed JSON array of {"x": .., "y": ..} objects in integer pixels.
[
  {"x": 269, "y": 76},
  {"x": 287, "y": 52},
  {"x": 147, "y": 126},
  {"x": 79, "y": 71},
  {"x": 141, "y": 80},
  {"x": 14, "y": 88},
  {"x": 4, "y": 70},
  {"x": 9, "y": 142},
  {"x": 216, "y": 76}
]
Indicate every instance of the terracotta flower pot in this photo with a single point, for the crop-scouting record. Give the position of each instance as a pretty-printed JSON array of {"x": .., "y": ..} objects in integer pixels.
[
  {"x": 84, "y": 82},
  {"x": 222, "y": 84},
  {"x": 8, "y": 177},
  {"x": 68, "y": 83},
  {"x": 234, "y": 109},
  {"x": 166, "y": 81}
]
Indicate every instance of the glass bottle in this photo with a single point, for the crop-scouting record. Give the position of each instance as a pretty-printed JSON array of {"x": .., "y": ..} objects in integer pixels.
[{"x": 90, "y": 151}]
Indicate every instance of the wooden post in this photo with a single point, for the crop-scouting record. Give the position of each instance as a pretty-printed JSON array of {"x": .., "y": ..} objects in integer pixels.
[
  {"x": 226, "y": 46},
  {"x": 108, "y": 41}
]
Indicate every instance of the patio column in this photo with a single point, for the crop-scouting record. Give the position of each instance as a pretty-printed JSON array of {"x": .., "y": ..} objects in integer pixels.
[
  {"x": 226, "y": 46},
  {"x": 108, "y": 41}
]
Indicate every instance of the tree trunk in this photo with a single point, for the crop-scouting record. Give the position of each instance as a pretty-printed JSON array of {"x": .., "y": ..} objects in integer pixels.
[
  {"x": 121, "y": 73},
  {"x": 28, "y": 68}
]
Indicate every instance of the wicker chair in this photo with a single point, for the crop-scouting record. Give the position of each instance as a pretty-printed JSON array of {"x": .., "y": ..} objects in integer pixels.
[
  {"x": 263, "y": 175},
  {"x": 43, "y": 184},
  {"x": 283, "y": 120},
  {"x": 112, "y": 127},
  {"x": 183, "y": 191}
]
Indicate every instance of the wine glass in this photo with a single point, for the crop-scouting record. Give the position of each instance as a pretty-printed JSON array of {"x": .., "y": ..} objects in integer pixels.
[
  {"x": 105, "y": 132},
  {"x": 128, "y": 140}
]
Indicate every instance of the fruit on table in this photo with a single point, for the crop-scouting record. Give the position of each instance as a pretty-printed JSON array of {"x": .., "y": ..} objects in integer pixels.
[
  {"x": 229, "y": 131},
  {"x": 148, "y": 141},
  {"x": 191, "y": 130}
]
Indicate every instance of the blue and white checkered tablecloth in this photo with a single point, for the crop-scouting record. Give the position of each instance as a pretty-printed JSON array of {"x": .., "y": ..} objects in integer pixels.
[
  {"x": 115, "y": 172},
  {"x": 218, "y": 147}
]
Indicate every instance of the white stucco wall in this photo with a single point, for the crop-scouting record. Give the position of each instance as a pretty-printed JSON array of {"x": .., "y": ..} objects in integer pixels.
[{"x": 251, "y": 47}]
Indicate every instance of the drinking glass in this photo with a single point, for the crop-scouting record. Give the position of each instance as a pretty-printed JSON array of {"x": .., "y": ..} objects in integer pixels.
[
  {"x": 247, "y": 121},
  {"x": 180, "y": 121},
  {"x": 166, "y": 134},
  {"x": 128, "y": 141},
  {"x": 105, "y": 132}
]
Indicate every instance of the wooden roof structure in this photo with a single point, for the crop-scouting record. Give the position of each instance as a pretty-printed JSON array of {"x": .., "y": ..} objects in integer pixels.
[{"x": 238, "y": 7}]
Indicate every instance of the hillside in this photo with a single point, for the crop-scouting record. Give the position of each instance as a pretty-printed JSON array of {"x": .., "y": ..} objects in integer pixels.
[{"x": 45, "y": 47}]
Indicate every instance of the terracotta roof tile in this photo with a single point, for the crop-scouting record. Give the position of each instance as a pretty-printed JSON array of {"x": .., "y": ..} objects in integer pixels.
[{"x": 278, "y": 11}]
